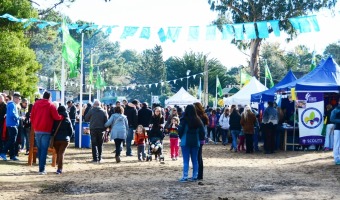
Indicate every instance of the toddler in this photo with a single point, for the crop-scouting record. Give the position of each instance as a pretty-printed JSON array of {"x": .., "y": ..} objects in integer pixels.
[
  {"x": 140, "y": 139},
  {"x": 173, "y": 132}
]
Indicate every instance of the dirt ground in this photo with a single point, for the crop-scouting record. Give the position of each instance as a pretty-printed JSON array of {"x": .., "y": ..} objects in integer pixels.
[{"x": 227, "y": 175}]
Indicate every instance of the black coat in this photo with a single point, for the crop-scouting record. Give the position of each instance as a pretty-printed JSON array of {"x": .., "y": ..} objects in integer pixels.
[
  {"x": 234, "y": 121},
  {"x": 144, "y": 116},
  {"x": 132, "y": 115},
  {"x": 65, "y": 130}
]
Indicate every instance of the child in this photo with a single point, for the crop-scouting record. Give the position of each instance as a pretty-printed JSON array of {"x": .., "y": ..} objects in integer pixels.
[
  {"x": 173, "y": 131},
  {"x": 140, "y": 139},
  {"x": 241, "y": 138}
]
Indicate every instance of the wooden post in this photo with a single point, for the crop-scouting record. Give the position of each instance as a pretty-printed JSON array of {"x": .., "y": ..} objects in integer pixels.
[{"x": 30, "y": 155}]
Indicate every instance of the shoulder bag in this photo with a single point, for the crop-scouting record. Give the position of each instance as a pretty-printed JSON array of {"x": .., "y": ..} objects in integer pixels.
[{"x": 55, "y": 133}]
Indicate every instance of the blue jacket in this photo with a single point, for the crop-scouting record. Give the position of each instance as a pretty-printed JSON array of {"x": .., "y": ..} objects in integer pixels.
[
  {"x": 335, "y": 117},
  {"x": 119, "y": 126},
  {"x": 190, "y": 137},
  {"x": 12, "y": 115}
]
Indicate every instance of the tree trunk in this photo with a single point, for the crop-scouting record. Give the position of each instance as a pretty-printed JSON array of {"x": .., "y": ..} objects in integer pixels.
[{"x": 254, "y": 57}]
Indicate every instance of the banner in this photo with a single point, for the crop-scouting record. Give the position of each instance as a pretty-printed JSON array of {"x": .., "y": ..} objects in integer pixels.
[{"x": 311, "y": 108}]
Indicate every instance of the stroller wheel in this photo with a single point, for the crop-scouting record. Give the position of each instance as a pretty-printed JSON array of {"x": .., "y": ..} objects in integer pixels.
[{"x": 149, "y": 158}]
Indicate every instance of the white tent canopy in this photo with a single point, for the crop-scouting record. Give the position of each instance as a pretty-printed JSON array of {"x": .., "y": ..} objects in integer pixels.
[
  {"x": 242, "y": 97},
  {"x": 181, "y": 98}
]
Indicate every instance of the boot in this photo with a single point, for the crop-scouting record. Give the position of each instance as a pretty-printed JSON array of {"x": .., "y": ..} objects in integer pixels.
[{"x": 118, "y": 159}]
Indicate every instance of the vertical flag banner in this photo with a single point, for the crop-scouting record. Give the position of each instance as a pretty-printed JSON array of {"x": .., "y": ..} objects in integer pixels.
[
  {"x": 313, "y": 64},
  {"x": 311, "y": 109},
  {"x": 70, "y": 51},
  {"x": 245, "y": 77},
  {"x": 219, "y": 87},
  {"x": 268, "y": 76},
  {"x": 100, "y": 83},
  {"x": 56, "y": 81}
]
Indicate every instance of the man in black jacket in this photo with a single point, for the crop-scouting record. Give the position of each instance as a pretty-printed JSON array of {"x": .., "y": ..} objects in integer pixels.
[
  {"x": 144, "y": 115},
  {"x": 132, "y": 116}
]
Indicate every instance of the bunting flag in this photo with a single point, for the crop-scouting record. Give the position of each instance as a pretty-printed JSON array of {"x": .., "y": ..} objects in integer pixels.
[
  {"x": 313, "y": 64},
  {"x": 57, "y": 82},
  {"x": 100, "y": 83},
  {"x": 71, "y": 51},
  {"x": 245, "y": 78},
  {"x": 219, "y": 87},
  {"x": 268, "y": 76},
  {"x": 236, "y": 31}
]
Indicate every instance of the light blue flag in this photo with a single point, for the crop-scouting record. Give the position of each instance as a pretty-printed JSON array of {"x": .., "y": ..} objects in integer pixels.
[
  {"x": 250, "y": 30},
  {"x": 129, "y": 31},
  {"x": 161, "y": 35},
  {"x": 72, "y": 26},
  {"x": 173, "y": 33},
  {"x": 228, "y": 32},
  {"x": 194, "y": 33},
  {"x": 42, "y": 25},
  {"x": 314, "y": 22},
  {"x": 301, "y": 24},
  {"x": 210, "y": 32},
  {"x": 145, "y": 33},
  {"x": 10, "y": 18},
  {"x": 262, "y": 29},
  {"x": 238, "y": 31},
  {"x": 275, "y": 26}
]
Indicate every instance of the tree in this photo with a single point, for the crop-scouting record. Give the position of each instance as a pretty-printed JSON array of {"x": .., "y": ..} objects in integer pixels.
[
  {"x": 18, "y": 62},
  {"x": 254, "y": 11},
  {"x": 334, "y": 51}
]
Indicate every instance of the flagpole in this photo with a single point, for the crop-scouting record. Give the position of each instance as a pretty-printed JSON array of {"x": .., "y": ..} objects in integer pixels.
[
  {"x": 216, "y": 93},
  {"x": 62, "y": 96},
  {"x": 200, "y": 90},
  {"x": 265, "y": 72},
  {"x": 92, "y": 78},
  {"x": 81, "y": 90}
]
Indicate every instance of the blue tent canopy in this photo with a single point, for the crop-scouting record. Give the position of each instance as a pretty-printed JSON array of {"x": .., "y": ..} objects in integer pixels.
[
  {"x": 288, "y": 86},
  {"x": 325, "y": 79},
  {"x": 268, "y": 95}
]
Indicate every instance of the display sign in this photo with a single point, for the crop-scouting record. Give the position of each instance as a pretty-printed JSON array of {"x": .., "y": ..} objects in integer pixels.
[{"x": 310, "y": 107}]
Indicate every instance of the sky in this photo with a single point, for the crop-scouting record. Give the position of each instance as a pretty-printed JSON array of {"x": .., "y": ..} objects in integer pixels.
[{"x": 164, "y": 13}]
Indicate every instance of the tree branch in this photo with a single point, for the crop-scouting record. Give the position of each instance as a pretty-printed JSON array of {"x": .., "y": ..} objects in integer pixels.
[
  {"x": 49, "y": 9},
  {"x": 244, "y": 17},
  {"x": 33, "y": 2}
]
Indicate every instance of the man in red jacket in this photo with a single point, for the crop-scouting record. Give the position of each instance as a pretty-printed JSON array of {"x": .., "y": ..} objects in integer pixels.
[{"x": 42, "y": 117}]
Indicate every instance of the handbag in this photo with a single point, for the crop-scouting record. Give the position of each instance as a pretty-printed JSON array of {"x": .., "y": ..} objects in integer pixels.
[
  {"x": 324, "y": 127},
  {"x": 55, "y": 133}
]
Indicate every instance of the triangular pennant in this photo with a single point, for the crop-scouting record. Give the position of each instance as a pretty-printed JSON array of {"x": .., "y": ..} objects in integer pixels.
[
  {"x": 162, "y": 83},
  {"x": 116, "y": 87},
  {"x": 194, "y": 76},
  {"x": 175, "y": 81},
  {"x": 149, "y": 85},
  {"x": 181, "y": 79},
  {"x": 156, "y": 84}
]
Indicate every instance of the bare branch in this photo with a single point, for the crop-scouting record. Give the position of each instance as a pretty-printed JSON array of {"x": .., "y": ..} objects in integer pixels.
[
  {"x": 49, "y": 9},
  {"x": 34, "y": 2}
]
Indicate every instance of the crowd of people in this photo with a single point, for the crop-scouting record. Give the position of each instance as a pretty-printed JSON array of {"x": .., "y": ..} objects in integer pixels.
[{"x": 133, "y": 123}]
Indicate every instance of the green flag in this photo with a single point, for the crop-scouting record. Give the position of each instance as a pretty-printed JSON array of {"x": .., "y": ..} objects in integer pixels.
[
  {"x": 71, "y": 51},
  {"x": 219, "y": 87},
  {"x": 245, "y": 77},
  {"x": 56, "y": 81},
  {"x": 91, "y": 72},
  {"x": 313, "y": 65},
  {"x": 268, "y": 76},
  {"x": 100, "y": 83}
]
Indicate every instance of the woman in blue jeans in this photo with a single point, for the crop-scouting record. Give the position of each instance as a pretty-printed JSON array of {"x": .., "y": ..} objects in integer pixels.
[
  {"x": 191, "y": 131},
  {"x": 235, "y": 126}
]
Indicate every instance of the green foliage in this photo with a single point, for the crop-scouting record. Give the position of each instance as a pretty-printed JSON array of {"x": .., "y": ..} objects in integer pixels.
[
  {"x": 334, "y": 51},
  {"x": 18, "y": 62}
]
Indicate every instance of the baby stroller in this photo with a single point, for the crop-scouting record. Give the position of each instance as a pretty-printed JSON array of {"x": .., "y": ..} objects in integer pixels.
[{"x": 155, "y": 148}]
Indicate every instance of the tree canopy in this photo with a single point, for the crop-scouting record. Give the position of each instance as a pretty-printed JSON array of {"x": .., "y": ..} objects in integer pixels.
[{"x": 254, "y": 11}]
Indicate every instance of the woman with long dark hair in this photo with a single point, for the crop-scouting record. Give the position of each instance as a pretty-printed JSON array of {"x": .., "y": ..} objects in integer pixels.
[
  {"x": 204, "y": 117},
  {"x": 191, "y": 132}
]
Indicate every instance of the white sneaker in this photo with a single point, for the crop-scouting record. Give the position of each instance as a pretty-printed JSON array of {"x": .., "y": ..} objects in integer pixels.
[{"x": 43, "y": 173}]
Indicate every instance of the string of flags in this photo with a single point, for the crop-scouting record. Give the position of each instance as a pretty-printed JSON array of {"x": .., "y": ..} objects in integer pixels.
[
  {"x": 132, "y": 86},
  {"x": 238, "y": 31}
]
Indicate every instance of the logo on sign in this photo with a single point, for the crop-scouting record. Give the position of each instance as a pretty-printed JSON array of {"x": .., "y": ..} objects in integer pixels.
[{"x": 311, "y": 118}]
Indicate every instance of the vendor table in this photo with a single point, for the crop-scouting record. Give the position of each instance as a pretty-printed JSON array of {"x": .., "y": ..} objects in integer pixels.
[{"x": 285, "y": 142}]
